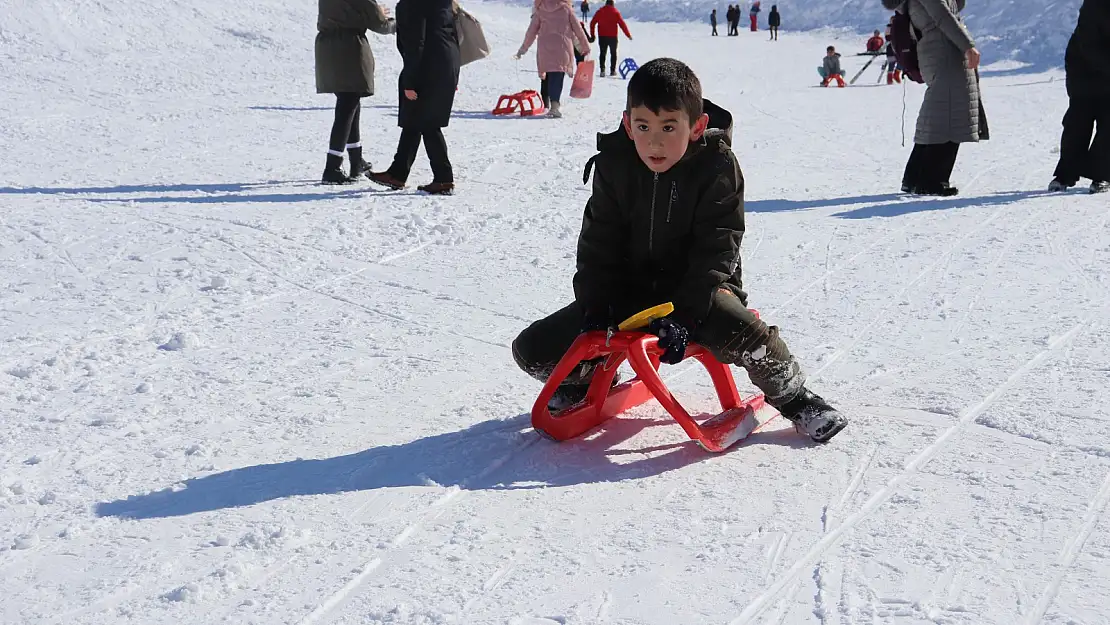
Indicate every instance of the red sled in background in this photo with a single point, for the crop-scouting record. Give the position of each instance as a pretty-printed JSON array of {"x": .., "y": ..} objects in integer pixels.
[
  {"x": 739, "y": 418},
  {"x": 583, "y": 85}
]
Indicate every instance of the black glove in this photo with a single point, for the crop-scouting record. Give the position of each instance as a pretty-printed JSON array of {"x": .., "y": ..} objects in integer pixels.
[{"x": 673, "y": 338}]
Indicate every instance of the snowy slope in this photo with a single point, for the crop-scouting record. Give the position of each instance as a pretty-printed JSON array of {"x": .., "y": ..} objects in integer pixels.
[
  {"x": 231, "y": 395},
  {"x": 1029, "y": 31}
]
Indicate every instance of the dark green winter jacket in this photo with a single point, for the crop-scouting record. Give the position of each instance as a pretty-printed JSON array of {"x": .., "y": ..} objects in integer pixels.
[
  {"x": 652, "y": 238},
  {"x": 344, "y": 61}
]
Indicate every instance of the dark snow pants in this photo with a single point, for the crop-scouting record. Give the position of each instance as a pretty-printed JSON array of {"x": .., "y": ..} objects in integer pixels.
[
  {"x": 731, "y": 332},
  {"x": 1079, "y": 157},
  {"x": 344, "y": 130},
  {"x": 608, "y": 44},
  {"x": 931, "y": 164}
]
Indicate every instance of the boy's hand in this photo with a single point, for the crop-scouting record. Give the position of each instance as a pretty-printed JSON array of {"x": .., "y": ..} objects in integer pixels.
[{"x": 673, "y": 338}]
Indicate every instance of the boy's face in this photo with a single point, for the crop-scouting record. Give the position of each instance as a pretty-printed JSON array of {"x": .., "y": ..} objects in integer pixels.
[{"x": 661, "y": 139}]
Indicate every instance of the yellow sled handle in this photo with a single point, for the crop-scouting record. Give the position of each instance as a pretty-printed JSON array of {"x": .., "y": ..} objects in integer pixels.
[{"x": 645, "y": 317}]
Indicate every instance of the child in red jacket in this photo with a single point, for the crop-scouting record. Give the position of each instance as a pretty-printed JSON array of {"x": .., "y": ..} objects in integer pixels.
[{"x": 604, "y": 25}]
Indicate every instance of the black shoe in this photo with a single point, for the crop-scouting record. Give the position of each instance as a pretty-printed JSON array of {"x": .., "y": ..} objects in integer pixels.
[
  {"x": 568, "y": 395},
  {"x": 1100, "y": 186},
  {"x": 939, "y": 190},
  {"x": 333, "y": 175},
  {"x": 1058, "y": 185},
  {"x": 813, "y": 416}
]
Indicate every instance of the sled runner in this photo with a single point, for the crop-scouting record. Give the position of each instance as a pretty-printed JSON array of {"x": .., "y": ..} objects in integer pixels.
[{"x": 739, "y": 418}]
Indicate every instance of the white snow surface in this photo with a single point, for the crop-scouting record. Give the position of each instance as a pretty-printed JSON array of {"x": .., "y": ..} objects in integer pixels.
[
  {"x": 230, "y": 395},
  {"x": 1032, "y": 32}
]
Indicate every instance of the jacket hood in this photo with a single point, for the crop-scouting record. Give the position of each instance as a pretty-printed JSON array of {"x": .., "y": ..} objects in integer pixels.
[
  {"x": 551, "y": 6},
  {"x": 893, "y": 4},
  {"x": 719, "y": 130}
]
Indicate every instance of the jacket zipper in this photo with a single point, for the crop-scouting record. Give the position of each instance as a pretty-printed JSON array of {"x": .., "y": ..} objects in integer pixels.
[
  {"x": 670, "y": 200},
  {"x": 651, "y": 226}
]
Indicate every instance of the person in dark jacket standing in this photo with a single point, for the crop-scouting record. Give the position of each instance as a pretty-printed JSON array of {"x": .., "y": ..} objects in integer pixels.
[
  {"x": 1087, "y": 63},
  {"x": 345, "y": 67},
  {"x": 713, "y": 21},
  {"x": 952, "y": 112},
  {"x": 664, "y": 224},
  {"x": 429, "y": 47},
  {"x": 774, "y": 20}
]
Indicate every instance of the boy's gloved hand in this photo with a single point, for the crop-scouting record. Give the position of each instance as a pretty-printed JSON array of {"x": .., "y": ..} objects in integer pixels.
[{"x": 673, "y": 337}]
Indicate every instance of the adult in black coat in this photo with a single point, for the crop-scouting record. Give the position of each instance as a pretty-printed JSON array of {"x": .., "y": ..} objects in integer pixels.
[
  {"x": 1088, "y": 82},
  {"x": 429, "y": 46}
]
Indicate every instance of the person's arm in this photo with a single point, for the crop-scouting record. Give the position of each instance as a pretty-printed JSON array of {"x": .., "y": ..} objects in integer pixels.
[
  {"x": 946, "y": 20},
  {"x": 601, "y": 249},
  {"x": 410, "y": 40},
  {"x": 624, "y": 27},
  {"x": 593, "y": 25},
  {"x": 718, "y": 230},
  {"x": 580, "y": 38},
  {"x": 530, "y": 35},
  {"x": 373, "y": 17}
]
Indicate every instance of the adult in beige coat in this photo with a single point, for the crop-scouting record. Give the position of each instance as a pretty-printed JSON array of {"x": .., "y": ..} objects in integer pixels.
[
  {"x": 951, "y": 112},
  {"x": 345, "y": 67}
]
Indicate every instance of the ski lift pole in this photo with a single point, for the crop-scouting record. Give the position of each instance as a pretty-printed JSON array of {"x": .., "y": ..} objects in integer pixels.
[{"x": 866, "y": 65}]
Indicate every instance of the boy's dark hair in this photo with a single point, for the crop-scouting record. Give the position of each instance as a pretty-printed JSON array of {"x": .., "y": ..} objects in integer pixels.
[
  {"x": 666, "y": 84},
  {"x": 830, "y": 49}
]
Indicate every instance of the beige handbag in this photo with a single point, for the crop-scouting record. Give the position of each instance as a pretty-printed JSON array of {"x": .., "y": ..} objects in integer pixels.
[{"x": 472, "y": 41}]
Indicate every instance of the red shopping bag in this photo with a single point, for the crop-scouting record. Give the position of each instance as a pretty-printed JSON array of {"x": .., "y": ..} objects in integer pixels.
[{"x": 583, "y": 84}]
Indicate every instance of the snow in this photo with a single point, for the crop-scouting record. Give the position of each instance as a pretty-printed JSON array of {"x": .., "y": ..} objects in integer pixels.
[{"x": 232, "y": 395}]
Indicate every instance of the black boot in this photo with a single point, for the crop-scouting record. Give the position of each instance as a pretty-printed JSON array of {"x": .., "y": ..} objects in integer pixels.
[
  {"x": 1100, "y": 186},
  {"x": 813, "y": 416},
  {"x": 333, "y": 171},
  {"x": 359, "y": 167}
]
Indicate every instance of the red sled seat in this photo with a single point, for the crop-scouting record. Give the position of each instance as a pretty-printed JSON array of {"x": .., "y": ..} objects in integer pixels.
[{"x": 739, "y": 418}]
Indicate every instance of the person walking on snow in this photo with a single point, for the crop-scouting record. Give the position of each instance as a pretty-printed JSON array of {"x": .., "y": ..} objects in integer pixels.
[
  {"x": 951, "y": 112},
  {"x": 585, "y": 10},
  {"x": 1087, "y": 63},
  {"x": 604, "y": 27},
  {"x": 754, "y": 13},
  {"x": 345, "y": 67},
  {"x": 713, "y": 21},
  {"x": 558, "y": 33},
  {"x": 429, "y": 47},
  {"x": 773, "y": 22}
]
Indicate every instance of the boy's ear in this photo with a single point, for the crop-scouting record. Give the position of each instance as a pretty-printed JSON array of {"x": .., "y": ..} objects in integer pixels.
[
  {"x": 699, "y": 127},
  {"x": 627, "y": 123}
]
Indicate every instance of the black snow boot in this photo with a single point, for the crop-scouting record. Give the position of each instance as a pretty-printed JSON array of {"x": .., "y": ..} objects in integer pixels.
[
  {"x": 333, "y": 171},
  {"x": 813, "y": 416},
  {"x": 1100, "y": 186},
  {"x": 568, "y": 395},
  {"x": 359, "y": 167}
]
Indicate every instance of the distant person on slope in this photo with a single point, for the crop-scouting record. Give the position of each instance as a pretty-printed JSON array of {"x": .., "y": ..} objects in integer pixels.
[
  {"x": 604, "y": 26},
  {"x": 558, "y": 32},
  {"x": 345, "y": 67},
  {"x": 773, "y": 22},
  {"x": 429, "y": 47},
  {"x": 951, "y": 113},
  {"x": 664, "y": 224},
  {"x": 875, "y": 43},
  {"x": 713, "y": 21},
  {"x": 830, "y": 68},
  {"x": 1087, "y": 63},
  {"x": 585, "y": 10},
  {"x": 754, "y": 13}
]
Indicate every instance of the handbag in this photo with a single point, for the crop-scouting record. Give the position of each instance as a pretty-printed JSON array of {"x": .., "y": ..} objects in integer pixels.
[{"x": 472, "y": 41}]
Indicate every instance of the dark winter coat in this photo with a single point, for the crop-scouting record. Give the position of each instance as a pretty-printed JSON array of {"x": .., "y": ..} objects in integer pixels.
[
  {"x": 952, "y": 110},
  {"x": 652, "y": 238},
  {"x": 713, "y": 18},
  {"x": 774, "y": 19},
  {"x": 344, "y": 61},
  {"x": 429, "y": 46},
  {"x": 1088, "y": 57}
]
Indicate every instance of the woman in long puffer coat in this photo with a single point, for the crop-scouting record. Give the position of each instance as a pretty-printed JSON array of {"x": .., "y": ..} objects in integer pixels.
[
  {"x": 951, "y": 113},
  {"x": 345, "y": 67},
  {"x": 558, "y": 33}
]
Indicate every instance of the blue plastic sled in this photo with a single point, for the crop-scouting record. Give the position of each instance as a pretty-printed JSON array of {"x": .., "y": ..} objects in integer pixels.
[{"x": 627, "y": 66}]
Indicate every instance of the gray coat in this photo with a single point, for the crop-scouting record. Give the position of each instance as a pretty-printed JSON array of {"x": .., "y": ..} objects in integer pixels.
[
  {"x": 952, "y": 110},
  {"x": 344, "y": 61}
]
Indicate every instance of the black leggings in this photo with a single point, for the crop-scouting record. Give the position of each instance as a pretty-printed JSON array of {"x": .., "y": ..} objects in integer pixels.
[
  {"x": 344, "y": 130},
  {"x": 608, "y": 44}
]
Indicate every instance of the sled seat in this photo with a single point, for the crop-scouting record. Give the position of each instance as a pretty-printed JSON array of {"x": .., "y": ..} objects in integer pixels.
[
  {"x": 526, "y": 103},
  {"x": 627, "y": 66},
  {"x": 739, "y": 418}
]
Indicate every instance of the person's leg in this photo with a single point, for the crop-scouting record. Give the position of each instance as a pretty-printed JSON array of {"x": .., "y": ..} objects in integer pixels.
[
  {"x": 555, "y": 81},
  {"x": 407, "y": 147},
  {"x": 354, "y": 145},
  {"x": 346, "y": 106},
  {"x": 603, "y": 48},
  {"x": 538, "y": 349},
  {"x": 545, "y": 93},
  {"x": 1098, "y": 158},
  {"x": 1075, "y": 142},
  {"x": 436, "y": 146},
  {"x": 946, "y": 154},
  {"x": 613, "y": 56},
  {"x": 914, "y": 175}
]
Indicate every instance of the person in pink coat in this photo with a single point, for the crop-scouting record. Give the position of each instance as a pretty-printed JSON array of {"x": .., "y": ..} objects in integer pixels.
[{"x": 559, "y": 33}]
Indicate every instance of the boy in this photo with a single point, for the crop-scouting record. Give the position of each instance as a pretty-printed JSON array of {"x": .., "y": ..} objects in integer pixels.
[
  {"x": 831, "y": 68},
  {"x": 664, "y": 224}
]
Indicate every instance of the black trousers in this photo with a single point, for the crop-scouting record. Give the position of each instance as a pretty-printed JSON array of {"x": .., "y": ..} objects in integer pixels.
[
  {"x": 344, "y": 130},
  {"x": 608, "y": 44},
  {"x": 775, "y": 33},
  {"x": 1079, "y": 156},
  {"x": 930, "y": 165},
  {"x": 731, "y": 332},
  {"x": 434, "y": 144}
]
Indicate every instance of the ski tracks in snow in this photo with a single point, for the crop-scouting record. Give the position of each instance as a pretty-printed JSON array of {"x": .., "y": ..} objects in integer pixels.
[{"x": 773, "y": 594}]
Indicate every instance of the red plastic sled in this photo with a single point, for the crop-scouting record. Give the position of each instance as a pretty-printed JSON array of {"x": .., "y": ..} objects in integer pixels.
[
  {"x": 738, "y": 419},
  {"x": 527, "y": 103}
]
